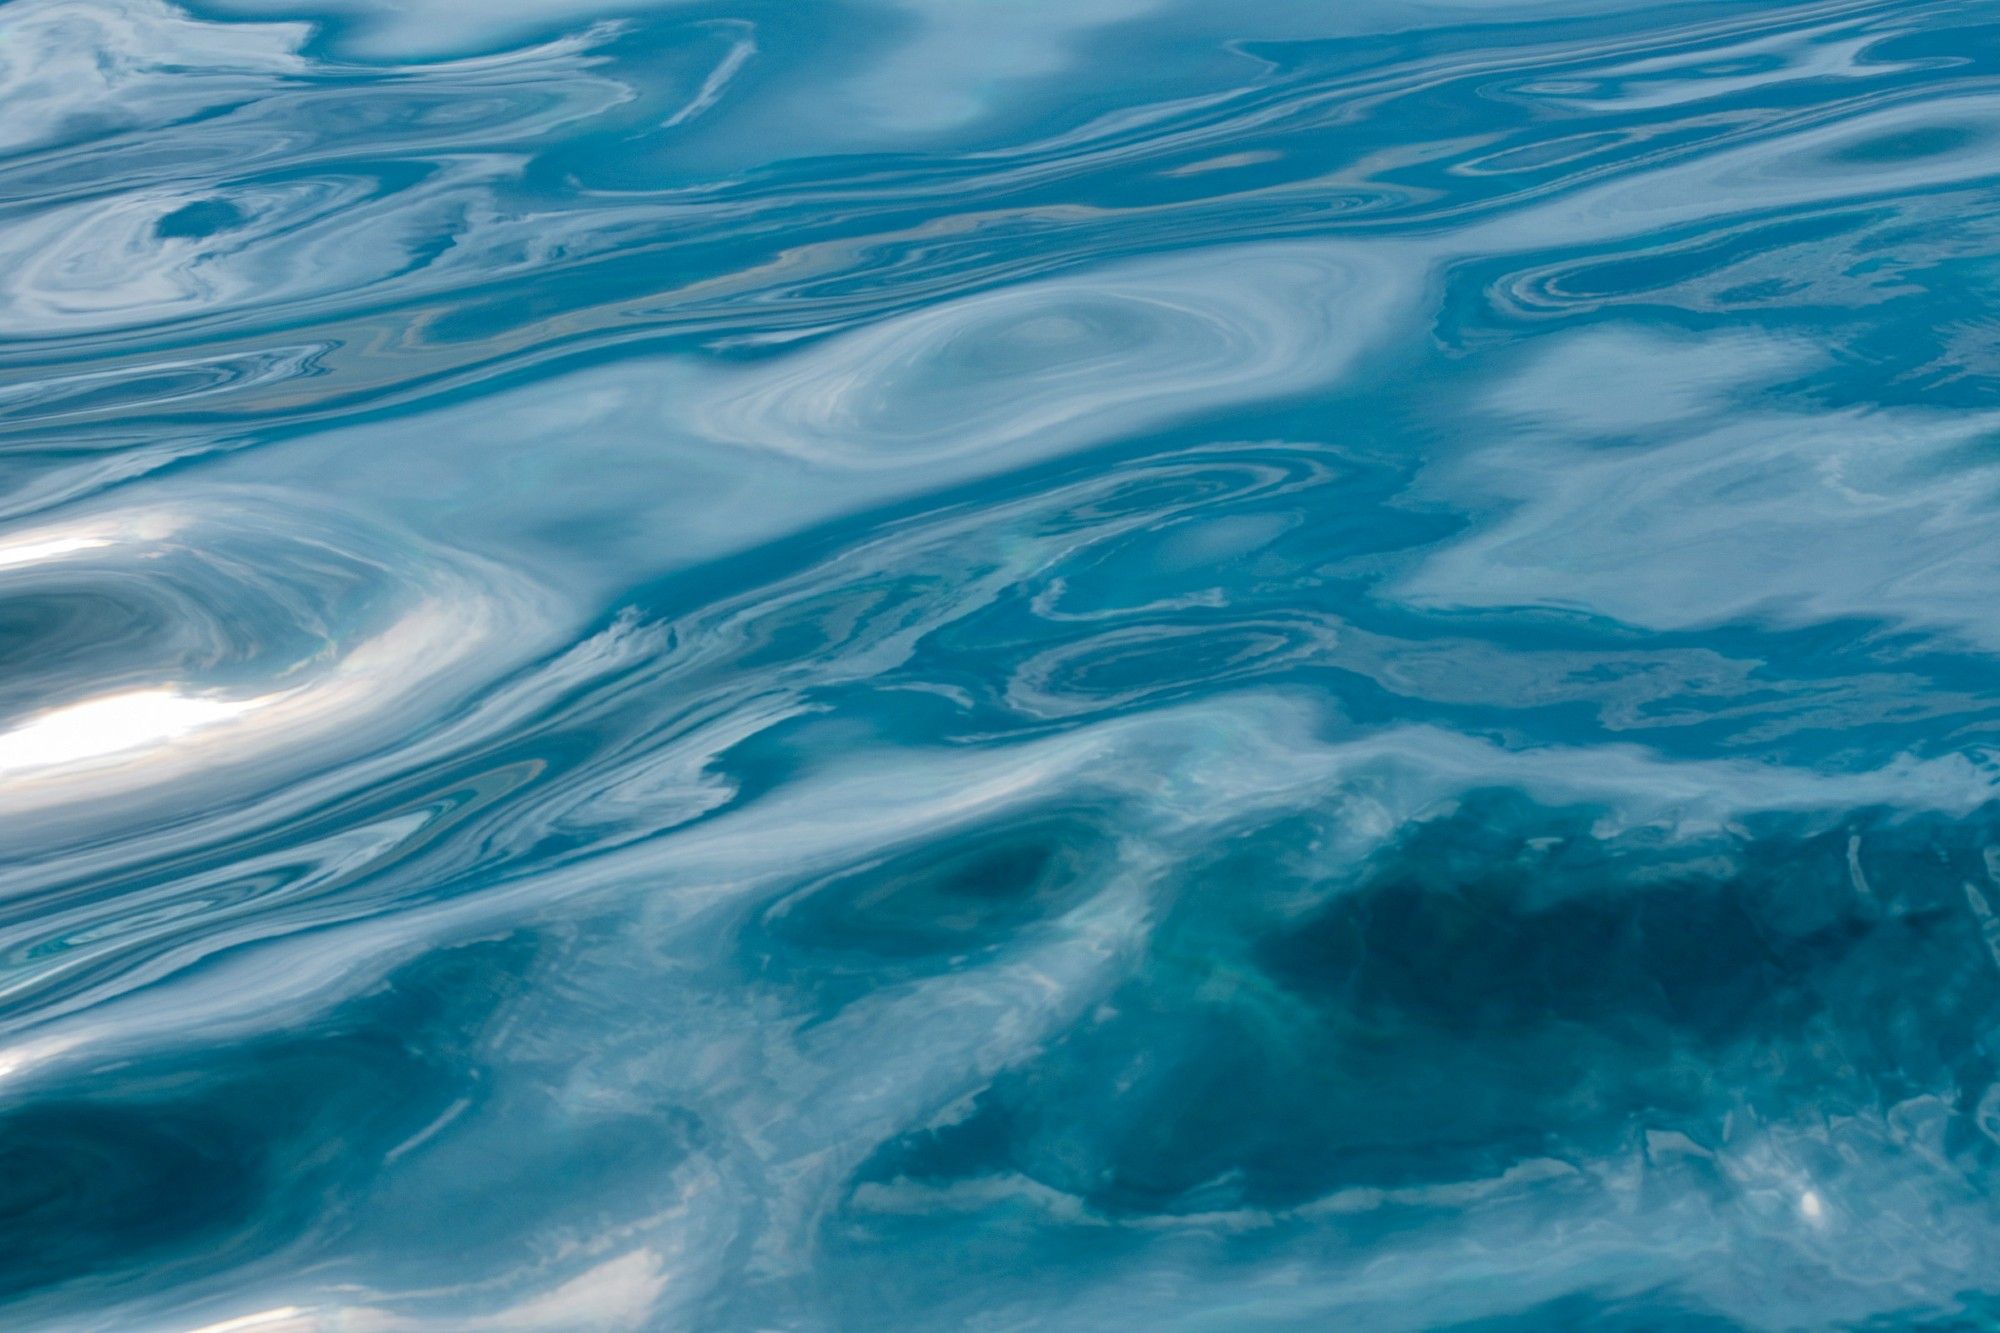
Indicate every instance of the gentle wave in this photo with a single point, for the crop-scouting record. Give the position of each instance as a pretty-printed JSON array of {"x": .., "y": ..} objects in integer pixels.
[{"x": 915, "y": 664}]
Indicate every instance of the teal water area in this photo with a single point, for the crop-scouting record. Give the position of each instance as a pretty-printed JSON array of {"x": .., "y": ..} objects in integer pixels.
[{"x": 995, "y": 664}]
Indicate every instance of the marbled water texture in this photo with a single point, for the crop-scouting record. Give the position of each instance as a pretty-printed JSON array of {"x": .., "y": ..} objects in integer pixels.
[{"x": 999, "y": 664}]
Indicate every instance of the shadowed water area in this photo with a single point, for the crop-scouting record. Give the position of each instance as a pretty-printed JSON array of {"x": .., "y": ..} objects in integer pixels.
[{"x": 999, "y": 664}]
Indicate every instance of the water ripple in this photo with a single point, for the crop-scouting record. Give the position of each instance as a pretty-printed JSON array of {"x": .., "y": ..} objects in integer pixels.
[{"x": 909, "y": 665}]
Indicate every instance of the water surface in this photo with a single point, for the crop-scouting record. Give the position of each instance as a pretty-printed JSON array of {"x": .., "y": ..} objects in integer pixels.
[{"x": 912, "y": 664}]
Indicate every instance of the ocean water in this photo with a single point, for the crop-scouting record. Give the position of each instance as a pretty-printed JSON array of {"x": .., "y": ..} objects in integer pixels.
[{"x": 999, "y": 664}]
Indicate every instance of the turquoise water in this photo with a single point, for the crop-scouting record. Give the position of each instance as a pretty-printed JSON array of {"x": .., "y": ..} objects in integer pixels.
[{"x": 996, "y": 664}]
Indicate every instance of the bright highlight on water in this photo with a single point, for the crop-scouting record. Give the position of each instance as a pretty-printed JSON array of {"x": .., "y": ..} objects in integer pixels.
[{"x": 996, "y": 664}]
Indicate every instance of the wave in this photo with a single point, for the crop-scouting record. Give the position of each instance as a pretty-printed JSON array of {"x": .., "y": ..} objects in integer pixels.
[{"x": 913, "y": 665}]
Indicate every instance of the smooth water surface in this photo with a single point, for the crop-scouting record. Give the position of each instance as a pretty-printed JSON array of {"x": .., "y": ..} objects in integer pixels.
[{"x": 999, "y": 664}]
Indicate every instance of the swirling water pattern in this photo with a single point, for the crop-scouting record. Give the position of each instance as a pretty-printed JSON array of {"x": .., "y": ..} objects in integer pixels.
[{"x": 909, "y": 664}]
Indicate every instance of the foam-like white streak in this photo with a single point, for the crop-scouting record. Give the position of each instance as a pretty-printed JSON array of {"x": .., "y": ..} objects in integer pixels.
[
  {"x": 619, "y": 1294},
  {"x": 174, "y": 739},
  {"x": 53, "y": 542},
  {"x": 149, "y": 738},
  {"x": 277, "y": 1319},
  {"x": 111, "y": 724},
  {"x": 34, "y": 552}
]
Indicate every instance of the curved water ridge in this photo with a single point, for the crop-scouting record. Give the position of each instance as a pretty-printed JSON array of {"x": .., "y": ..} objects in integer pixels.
[{"x": 904, "y": 664}]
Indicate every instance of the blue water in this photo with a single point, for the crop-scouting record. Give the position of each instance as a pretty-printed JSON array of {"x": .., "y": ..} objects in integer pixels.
[{"x": 999, "y": 664}]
